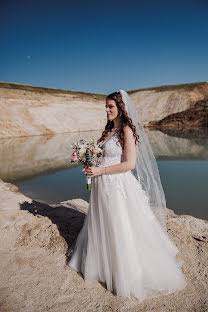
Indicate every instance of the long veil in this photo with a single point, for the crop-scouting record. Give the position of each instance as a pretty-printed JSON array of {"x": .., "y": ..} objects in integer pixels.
[{"x": 146, "y": 166}]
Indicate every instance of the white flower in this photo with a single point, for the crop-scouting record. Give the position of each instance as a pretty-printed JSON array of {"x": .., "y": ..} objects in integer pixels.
[{"x": 82, "y": 152}]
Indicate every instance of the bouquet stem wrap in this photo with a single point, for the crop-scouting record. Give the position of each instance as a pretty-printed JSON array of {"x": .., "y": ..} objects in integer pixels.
[{"x": 88, "y": 163}]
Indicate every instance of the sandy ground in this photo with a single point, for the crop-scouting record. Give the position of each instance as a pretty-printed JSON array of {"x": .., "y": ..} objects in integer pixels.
[{"x": 34, "y": 239}]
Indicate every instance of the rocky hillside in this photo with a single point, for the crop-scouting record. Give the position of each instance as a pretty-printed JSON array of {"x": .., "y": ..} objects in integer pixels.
[
  {"x": 29, "y": 110},
  {"x": 173, "y": 106},
  {"x": 195, "y": 116}
]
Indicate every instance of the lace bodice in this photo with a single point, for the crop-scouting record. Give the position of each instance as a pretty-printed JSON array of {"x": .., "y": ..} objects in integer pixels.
[{"x": 113, "y": 153}]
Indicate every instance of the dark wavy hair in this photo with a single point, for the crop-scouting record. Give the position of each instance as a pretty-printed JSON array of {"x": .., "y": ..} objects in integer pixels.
[{"x": 125, "y": 120}]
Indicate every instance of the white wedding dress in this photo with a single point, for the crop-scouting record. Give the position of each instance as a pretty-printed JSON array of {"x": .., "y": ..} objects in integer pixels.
[{"x": 121, "y": 242}]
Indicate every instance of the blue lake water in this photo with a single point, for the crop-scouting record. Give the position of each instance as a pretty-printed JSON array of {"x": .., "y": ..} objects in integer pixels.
[{"x": 40, "y": 166}]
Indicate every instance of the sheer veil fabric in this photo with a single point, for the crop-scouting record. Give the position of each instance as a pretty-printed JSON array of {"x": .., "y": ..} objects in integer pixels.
[{"x": 146, "y": 166}]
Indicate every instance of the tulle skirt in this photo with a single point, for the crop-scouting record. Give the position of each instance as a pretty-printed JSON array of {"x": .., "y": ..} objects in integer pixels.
[{"x": 122, "y": 243}]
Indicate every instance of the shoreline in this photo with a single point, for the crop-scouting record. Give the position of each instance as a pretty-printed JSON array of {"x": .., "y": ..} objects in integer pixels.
[{"x": 34, "y": 240}]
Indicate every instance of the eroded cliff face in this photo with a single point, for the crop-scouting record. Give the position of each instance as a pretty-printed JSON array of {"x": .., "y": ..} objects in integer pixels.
[
  {"x": 184, "y": 106},
  {"x": 195, "y": 116},
  {"x": 32, "y": 111},
  {"x": 27, "y": 110}
]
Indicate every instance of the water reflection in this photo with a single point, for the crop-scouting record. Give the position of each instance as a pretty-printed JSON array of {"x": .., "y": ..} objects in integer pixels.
[
  {"x": 181, "y": 145},
  {"x": 26, "y": 157},
  {"x": 40, "y": 166}
]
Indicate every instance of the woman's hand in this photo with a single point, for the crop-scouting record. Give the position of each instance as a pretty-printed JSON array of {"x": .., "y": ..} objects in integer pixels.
[{"x": 92, "y": 171}]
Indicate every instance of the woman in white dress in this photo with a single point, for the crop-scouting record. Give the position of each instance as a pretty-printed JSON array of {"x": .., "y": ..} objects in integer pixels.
[{"x": 123, "y": 242}]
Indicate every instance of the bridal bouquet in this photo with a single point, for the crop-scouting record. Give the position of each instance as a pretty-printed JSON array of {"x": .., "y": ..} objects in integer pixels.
[{"x": 87, "y": 153}]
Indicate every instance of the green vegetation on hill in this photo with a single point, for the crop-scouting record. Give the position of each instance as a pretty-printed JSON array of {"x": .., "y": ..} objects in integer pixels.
[
  {"x": 25, "y": 87},
  {"x": 12, "y": 85},
  {"x": 189, "y": 86}
]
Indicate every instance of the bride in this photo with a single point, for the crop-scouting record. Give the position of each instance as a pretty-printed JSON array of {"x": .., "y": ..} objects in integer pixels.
[{"x": 123, "y": 242}]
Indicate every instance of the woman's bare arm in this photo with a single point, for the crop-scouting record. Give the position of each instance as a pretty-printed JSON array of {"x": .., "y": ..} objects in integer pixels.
[{"x": 129, "y": 154}]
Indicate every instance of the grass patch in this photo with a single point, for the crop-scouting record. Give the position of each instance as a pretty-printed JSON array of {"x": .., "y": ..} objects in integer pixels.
[
  {"x": 25, "y": 87},
  {"x": 188, "y": 86}
]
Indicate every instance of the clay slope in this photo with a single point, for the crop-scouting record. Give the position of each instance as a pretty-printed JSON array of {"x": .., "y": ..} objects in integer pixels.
[
  {"x": 195, "y": 116},
  {"x": 28, "y": 110},
  {"x": 173, "y": 106}
]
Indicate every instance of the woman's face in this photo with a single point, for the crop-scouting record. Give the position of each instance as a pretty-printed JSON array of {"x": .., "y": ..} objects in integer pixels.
[{"x": 111, "y": 109}]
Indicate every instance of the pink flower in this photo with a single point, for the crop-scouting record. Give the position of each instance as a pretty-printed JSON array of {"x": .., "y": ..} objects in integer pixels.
[{"x": 74, "y": 156}]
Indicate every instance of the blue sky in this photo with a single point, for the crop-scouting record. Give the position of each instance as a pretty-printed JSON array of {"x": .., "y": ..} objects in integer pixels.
[{"x": 103, "y": 46}]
